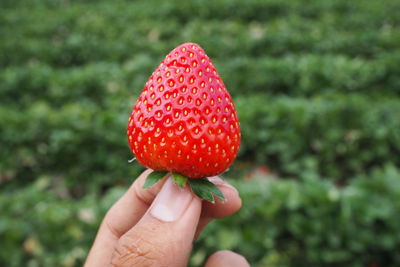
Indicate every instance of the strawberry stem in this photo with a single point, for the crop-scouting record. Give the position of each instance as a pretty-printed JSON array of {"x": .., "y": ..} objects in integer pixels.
[
  {"x": 179, "y": 180},
  {"x": 201, "y": 187}
]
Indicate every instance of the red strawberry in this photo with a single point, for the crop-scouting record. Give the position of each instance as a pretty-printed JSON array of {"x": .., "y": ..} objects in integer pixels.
[{"x": 184, "y": 120}]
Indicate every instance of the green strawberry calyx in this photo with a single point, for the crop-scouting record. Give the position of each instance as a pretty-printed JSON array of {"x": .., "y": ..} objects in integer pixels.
[{"x": 201, "y": 187}]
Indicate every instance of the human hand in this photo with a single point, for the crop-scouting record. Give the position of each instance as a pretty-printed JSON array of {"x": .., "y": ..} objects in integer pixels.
[{"x": 138, "y": 231}]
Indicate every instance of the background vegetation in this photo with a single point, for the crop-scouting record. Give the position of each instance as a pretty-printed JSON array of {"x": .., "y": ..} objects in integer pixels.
[{"x": 317, "y": 89}]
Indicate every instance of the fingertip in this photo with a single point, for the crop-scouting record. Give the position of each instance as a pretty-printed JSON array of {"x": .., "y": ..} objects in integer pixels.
[
  {"x": 128, "y": 210},
  {"x": 223, "y": 208},
  {"x": 225, "y": 258},
  {"x": 146, "y": 195},
  {"x": 141, "y": 179}
]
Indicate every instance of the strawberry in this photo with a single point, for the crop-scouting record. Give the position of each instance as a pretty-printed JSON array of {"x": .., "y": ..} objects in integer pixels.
[{"x": 184, "y": 121}]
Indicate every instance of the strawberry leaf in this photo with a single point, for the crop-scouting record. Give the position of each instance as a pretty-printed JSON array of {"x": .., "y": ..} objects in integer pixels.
[
  {"x": 206, "y": 190},
  {"x": 153, "y": 178},
  {"x": 179, "y": 180}
]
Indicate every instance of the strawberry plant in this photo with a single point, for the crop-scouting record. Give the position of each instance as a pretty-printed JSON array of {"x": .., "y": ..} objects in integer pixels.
[{"x": 184, "y": 122}]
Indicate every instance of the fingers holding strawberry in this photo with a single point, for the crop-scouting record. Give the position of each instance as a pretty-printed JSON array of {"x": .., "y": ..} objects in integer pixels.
[{"x": 156, "y": 227}]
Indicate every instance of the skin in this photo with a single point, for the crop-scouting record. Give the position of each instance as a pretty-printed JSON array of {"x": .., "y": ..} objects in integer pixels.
[{"x": 130, "y": 236}]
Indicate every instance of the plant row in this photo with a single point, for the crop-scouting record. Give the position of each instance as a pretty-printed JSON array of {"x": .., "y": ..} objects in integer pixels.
[
  {"x": 69, "y": 36},
  {"x": 306, "y": 75},
  {"x": 249, "y": 11},
  {"x": 336, "y": 136}
]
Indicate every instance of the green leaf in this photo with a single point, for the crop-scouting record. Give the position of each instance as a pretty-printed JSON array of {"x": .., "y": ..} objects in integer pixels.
[
  {"x": 153, "y": 178},
  {"x": 179, "y": 180},
  {"x": 206, "y": 190}
]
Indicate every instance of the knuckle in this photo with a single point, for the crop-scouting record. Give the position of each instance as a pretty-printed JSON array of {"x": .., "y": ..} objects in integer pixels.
[
  {"x": 115, "y": 231},
  {"x": 131, "y": 250},
  {"x": 146, "y": 196}
]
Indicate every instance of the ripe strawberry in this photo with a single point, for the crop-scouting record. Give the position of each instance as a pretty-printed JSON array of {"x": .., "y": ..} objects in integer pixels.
[{"x": 184, "y": 120}]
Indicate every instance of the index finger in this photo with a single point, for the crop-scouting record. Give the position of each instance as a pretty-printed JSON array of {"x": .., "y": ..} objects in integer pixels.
[{"x": 121, "y": 217}]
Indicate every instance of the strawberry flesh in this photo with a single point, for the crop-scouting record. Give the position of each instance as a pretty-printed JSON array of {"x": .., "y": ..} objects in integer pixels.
[{"x": 184, "y": 120}]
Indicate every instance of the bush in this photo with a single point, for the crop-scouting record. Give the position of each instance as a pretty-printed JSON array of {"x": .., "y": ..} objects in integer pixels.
[
  {"x": 73, "y": 142},
  {"x": 82, "y": 32},
  {"x": 310, "y": 75},
  {"x": 330, "y": 135},
  {"x": 305, "y": 75},
  {"x": 337, "y": 136}
]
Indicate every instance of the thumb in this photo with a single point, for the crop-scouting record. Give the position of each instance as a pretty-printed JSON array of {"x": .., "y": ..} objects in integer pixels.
[{"x": 164, "y": 235}]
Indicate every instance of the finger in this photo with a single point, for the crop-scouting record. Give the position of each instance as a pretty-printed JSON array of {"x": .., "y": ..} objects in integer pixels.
[
  {"x": 202, "y": 224},
  {"x": 121, "y": 217},
  {"x": 164, "y": 235},
  {"x": 220, "y": 209},
  {"x": 129, "y": 209},
  {"x": 226, "y": 258}
]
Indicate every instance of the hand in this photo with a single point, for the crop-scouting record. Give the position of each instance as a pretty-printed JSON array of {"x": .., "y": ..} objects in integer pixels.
[{"x": 138, "y": 231}]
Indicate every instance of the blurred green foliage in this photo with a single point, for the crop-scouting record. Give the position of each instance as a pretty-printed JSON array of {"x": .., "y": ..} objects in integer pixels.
[
  {"x": 316, "y": 85},
  {"x": 282, "y": 223},
  {"x": 311, "y": 222}
]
